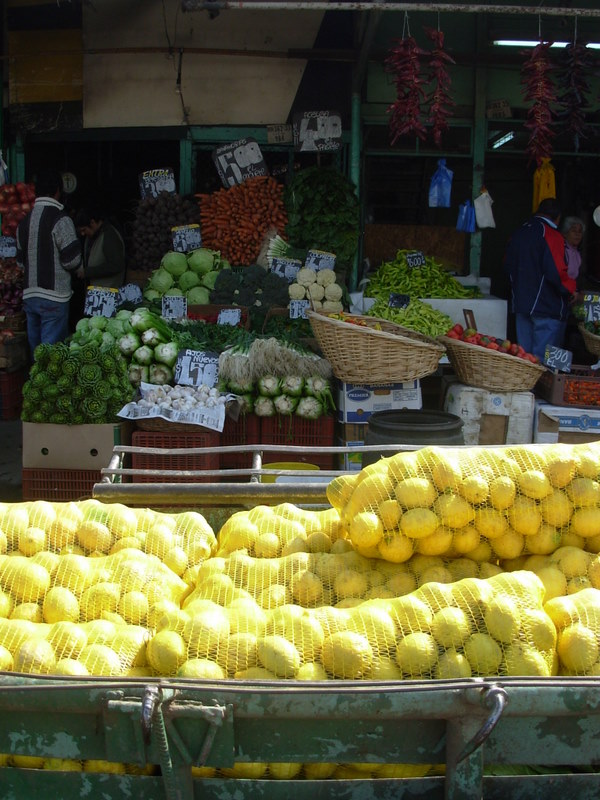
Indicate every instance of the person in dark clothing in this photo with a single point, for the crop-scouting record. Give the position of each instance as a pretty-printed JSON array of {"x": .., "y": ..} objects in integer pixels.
[
  {"x": 541, "y": 288},
  {"x": 103, "y": 249},
  {"x": 49, "y": 252}
]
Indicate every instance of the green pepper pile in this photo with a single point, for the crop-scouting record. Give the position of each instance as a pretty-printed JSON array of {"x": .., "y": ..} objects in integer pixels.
[
  {"x": 416, "y": 315},
  {"x": 430, "y": 280}
]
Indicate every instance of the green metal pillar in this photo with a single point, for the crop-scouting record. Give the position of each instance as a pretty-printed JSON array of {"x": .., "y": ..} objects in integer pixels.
[
  {"x": 186, "y": 166},
  {"x": 355, "y": 151},
  {"x": 479, "y": 142}
]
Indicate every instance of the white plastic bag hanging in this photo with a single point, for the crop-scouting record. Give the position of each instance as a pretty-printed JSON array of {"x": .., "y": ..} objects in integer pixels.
[
  {"x": 483, "y": 210},
  {"x": 3, "y": 170}
]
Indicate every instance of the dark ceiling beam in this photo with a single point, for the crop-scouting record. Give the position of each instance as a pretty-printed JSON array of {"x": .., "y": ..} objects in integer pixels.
[{"x": 214, "y": 6}]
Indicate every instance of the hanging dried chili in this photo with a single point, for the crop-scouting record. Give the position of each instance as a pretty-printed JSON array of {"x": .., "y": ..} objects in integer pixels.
[
  {"x": 405, "y": 112},
  {"x": 440, "y": 102},
  {"x": 539, "y": 89},
  {"x": 574, "y": 88}
]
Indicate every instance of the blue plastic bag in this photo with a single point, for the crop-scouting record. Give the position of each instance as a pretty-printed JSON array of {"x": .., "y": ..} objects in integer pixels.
[
  {"x": 440, "y": 187},
  {"x": 466, "y": 217}
]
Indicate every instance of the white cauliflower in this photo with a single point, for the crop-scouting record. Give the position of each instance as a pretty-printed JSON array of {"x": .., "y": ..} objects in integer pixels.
[
  {"x": 325, "y": 277},
  {"x": 333, "y": 306},
  {"x": 317, "y": 304},
  {"x": 296, "y": 292},
  {"x": 333, "y": 292},
  {"x": 306, "y": 276},
  {"x": 315, "y": 292}
]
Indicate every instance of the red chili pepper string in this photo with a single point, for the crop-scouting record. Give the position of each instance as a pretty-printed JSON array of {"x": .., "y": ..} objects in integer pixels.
[
  {"x": 574, "y": 89},
  {"x": 440, "y": 102},
  {"x": 539, "y": 89},
  {"x": 405, "y": 111}
]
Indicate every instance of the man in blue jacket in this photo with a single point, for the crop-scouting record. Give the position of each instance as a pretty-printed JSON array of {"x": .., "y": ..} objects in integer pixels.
[
  {"x": 540, "y": 285},
  {"x": 49, "y": 252}
]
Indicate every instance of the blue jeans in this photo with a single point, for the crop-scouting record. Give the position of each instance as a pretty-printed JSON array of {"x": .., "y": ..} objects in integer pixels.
[
  {"x": 47, "y": 321},
  {"x": 534, "y": 333}
]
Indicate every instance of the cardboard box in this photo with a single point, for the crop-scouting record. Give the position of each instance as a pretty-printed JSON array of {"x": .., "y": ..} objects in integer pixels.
[
  {"x": 351, "y": 434},
  {"x": 357, "y": 403},
  {"x": 491, "y": 417},
  {"x": 565, "y": 424},
  {"x": 81, "y": 447}
]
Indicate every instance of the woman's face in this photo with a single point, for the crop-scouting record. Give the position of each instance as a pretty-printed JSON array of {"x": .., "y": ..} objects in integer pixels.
[{"x": 575, "y": 234}]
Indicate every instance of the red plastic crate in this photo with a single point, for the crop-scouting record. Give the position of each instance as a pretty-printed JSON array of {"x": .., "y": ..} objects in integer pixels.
[
  {"x": 297, "y": 431},
  {"x": 172, "y": 441},
  {"x": 580, "y": 387},
  {"x": 58, "y": 484},
  {"x": 246, "y": 430},
  {"x": 11, "y": 394}
]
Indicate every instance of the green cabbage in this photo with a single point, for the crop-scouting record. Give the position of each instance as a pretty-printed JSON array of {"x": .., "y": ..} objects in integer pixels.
[
  {"x": 209, "y": 278},
  {"x": 98, "y": 322},
  {"x": 173, "y": 292},
  {"x": 188, "y": 280},
  {"x": 198, "y": 296},
  {"x": 175, "y": 263},
  {"x": 201, "y": 260},
  {"x": 161, "y": 280},
  {"x": 151, "y": 294}
]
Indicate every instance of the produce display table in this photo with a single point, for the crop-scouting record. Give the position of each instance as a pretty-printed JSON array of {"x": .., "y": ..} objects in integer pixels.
[{"x": 463, "y": 725}]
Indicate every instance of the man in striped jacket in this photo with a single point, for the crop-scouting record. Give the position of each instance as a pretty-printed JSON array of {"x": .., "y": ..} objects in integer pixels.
[{"x": 49, "y": 252}]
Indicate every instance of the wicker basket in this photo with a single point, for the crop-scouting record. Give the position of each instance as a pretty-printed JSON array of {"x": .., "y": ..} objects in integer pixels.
[
  {"x": 490, "y": 369},
  {"x": 591, "y": 341},
  {"x": 378, "y": 352}
]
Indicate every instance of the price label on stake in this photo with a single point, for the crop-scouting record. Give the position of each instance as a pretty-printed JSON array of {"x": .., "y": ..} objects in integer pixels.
[
  {"x": 415, "y": 259},
  {"x": 100, "y": 301},
  {"x": 288, "y": 268},
  {"x": 591, "y": 304},
  {"x": 229, "y": 316},
  {"x": 197, "y": 367},
  {"x": 557, "y": 358},
  {"x": 398, "y": 300},
  {"x": 298, "y": 308},
  {"x": 186, "y": 238},
  {"x": 238, "y": 161},
  {"x": 316, "y": 131},
  {"x": 174, "y": 306}
]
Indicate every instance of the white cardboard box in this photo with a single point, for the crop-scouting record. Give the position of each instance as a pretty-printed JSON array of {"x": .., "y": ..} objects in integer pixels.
[
  {"x": 565, "y": 424},
  {"x": 491, "y": 417},
  {"x": 48, "y": 446},
  {"x": 357, "y": 403}
]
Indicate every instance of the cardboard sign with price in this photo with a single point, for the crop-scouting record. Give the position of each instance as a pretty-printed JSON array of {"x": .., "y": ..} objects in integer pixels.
[
  {"x": 100, "y": 301},
  {"x": 197, "y": 367},
  {"x": 238, "y": 161}
]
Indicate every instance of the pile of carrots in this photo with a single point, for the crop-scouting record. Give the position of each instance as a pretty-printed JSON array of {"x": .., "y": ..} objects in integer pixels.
[{"x": 235, "y": 221}]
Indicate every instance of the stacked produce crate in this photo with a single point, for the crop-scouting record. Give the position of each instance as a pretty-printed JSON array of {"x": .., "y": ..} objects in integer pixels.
[{"x": 13, "y": 339}]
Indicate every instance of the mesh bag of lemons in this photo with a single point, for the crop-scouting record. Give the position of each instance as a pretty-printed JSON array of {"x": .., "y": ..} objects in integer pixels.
[
  {"x": 83, "y": 584},
  {"x": 484, "y": 503}
]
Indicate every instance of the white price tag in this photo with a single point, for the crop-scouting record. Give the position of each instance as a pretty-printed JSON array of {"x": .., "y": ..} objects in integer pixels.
[
  {"x": 298, "y": 308},
  {"x": 288, "y": 268},
  {"x": 229, "y": 316},
  {"x": 174, "y": 306},
  {"x": 130, "y": 293},
  {"x": 186, "y": 238},
  {"x": 100, "y": 301},
  {"x": 195, "y": 367}
]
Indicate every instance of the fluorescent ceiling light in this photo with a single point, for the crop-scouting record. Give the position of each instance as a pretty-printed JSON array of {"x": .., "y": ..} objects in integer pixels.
[
  {"x": 503, "y": 140},
  {"x": 535, "y": 42}
]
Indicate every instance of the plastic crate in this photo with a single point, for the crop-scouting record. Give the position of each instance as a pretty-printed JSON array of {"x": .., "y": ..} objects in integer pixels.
[
  {"x": 245, "y": 430},
  {"x": 173, "y": 441},
  {"x": 58, "y": 484},
  {"x": 11, "y": 394},
  {"x": 297, "y": 431},
  {"x": 580, "y": 387}
]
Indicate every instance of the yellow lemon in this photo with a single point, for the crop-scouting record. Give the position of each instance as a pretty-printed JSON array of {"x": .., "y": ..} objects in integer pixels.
[
  {"x": 67, "y": 638},
  {"x": 522, "y": 659},
  {"x": 483, "y": 653},
  {"x": 545, "y": 541},
  {"x": 347, "y": 654},
  {"x": 437, "y": 543},
  {"x": 584, "y": 492},
  {"x": 166, "y": 652},
  {"x": 452, "y": 664},
  {"x": 60, "y": 603},
  {"x": 35, "y": 656},
  {"x": 450, "y": 627},
  {"x": 366, "y": 529},
  {"x": 509, "y": 545},
  {"x": 416, "y": 654},
  {"x": 415, "y": 492},
  {"x": 417, "y": 523},
  {"x": 396, "y": 547},
  {"x": 32, "y": 540},
  {"x": 453, "y": 510},
  {"x": 474, "y": 488},
  {"x": 577, "y": 647}
]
